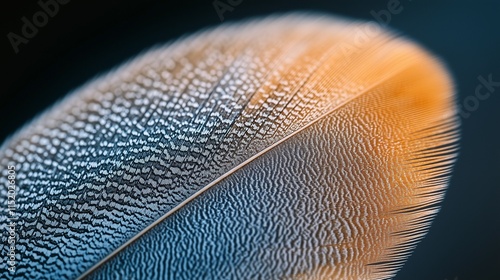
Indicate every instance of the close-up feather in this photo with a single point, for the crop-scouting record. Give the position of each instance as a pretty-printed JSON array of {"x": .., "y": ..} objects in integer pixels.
[{"x": 293, "y": 146}]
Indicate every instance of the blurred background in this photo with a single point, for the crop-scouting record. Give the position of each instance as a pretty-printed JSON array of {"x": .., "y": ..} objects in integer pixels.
[{"x": 82, "y": 39}]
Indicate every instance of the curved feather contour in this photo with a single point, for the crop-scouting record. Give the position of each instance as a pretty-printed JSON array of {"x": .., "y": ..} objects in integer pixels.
[{"x": 289, "y": 147}]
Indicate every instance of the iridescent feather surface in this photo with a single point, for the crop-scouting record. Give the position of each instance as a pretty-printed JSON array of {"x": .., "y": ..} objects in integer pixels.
[{"x": 295, "y": 147}]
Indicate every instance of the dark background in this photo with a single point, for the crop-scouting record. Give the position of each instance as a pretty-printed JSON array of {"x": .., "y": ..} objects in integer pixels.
[{"x": 87, "y": 38}]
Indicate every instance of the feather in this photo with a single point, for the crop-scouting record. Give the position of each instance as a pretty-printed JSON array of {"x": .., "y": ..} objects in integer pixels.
[{"x": 296, "y": 146}]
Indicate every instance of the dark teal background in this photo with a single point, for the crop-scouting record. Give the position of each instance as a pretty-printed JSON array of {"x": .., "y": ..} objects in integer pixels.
[{"x": 86, "y": 38}]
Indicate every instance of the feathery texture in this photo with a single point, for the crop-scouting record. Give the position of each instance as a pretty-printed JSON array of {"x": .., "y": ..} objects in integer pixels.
[{"x": 290, "y": 147}]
